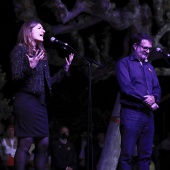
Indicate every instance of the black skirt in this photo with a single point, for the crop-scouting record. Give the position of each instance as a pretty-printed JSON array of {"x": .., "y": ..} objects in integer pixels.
[{"x": 30, "y": 116}]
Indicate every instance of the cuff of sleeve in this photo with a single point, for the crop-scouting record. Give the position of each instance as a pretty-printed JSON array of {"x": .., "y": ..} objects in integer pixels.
[
  {"x": 156, "y": 99},
  {"x": 68, "y": 73}
]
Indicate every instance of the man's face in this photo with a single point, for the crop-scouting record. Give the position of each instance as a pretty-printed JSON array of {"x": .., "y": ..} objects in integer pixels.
[
  {"x": 64, "y": 133},
  {"x": 11, "y": 132},
  {"x": 143, "y": 49},
  {"x": 65, "y": 130}
]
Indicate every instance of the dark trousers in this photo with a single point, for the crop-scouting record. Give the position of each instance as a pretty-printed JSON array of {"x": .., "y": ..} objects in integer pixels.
[{"x": 137, "y": 131}]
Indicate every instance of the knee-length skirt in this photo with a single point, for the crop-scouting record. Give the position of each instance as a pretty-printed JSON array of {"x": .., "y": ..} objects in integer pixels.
[{"x": 30, "y": 116}]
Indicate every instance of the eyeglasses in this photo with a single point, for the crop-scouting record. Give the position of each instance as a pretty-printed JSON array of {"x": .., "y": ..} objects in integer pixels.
[{"x": 146, "y": 48}]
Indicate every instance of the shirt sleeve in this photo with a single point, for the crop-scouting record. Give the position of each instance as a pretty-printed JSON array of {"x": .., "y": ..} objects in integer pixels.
[
  {"x": 57, "y": 77},
  {"x": 126, "y": 86},
  {"x": 156, "y": 87}
]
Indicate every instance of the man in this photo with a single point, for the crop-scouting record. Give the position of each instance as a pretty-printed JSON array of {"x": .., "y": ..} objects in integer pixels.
[
  {"x": 140, "y": 95},
  {"x": 63, "y": 154}
]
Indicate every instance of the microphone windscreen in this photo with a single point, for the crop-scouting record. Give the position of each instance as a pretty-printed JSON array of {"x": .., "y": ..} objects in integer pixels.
[
  {"x": 158, "y": 49},
  {"x": 52, "y": 39}
]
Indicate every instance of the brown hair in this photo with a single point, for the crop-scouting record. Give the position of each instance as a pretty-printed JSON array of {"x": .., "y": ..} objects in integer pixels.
[
  {"x": 24, "y": 36},
  {"x": 137, "y": 38}
]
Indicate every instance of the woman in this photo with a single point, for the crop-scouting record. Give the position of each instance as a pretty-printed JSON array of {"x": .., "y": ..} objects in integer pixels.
[
  {"x": 9, "y": 145},
  {"x": 31, "y": 76}
]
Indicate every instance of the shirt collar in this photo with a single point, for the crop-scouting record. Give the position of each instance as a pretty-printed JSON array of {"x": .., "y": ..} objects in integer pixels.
[
  {"x": 133, "y": 57},
  {"x": 64, "y": 141}
]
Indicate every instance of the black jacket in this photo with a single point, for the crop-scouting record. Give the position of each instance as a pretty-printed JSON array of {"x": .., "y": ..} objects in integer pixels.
[{"x": 31, "y": 80}]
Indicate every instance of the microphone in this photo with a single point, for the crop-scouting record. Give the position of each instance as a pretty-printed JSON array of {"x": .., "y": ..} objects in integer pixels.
[
  {"x": 162, "y": 52},
  {"x": 53, "y": 39}
]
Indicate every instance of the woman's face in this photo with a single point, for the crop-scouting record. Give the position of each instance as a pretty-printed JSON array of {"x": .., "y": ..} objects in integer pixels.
[{"x": 38, "y": 33}]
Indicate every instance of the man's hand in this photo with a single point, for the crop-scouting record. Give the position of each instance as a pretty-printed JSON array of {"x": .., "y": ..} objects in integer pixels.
[
  {"x": 149, "y": 100},
  {"x": 154, "y": 107}
]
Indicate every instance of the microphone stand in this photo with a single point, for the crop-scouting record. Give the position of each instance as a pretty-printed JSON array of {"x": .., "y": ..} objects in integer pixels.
[{"x": 89, "y": 128}]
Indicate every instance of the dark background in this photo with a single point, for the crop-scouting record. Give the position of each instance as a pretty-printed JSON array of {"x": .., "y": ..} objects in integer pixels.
[{"x": 71, "y": 95}]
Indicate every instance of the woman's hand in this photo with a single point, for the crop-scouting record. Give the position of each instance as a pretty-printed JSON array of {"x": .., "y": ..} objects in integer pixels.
[
  {"x": 34, "y": 60},
  {"x": 68, "y": 62}
]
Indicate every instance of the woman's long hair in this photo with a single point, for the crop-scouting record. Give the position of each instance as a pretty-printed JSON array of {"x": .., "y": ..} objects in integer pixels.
[{"x": 25, "y": 37}]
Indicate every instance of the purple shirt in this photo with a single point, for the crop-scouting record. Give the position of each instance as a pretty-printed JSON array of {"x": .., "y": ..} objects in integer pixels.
[{"x": 136, "y": 80}]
